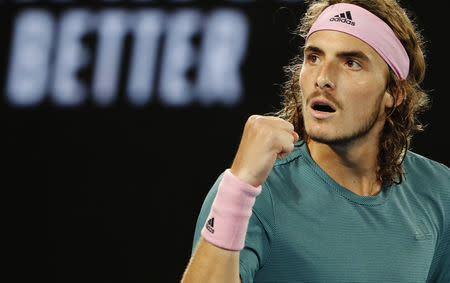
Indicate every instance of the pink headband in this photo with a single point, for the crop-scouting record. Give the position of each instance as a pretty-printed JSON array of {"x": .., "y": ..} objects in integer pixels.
[{"x": 364, "y": 25}]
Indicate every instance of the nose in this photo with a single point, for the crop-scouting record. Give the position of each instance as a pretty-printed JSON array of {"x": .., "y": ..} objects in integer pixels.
[{"x": 325, "y": 77}]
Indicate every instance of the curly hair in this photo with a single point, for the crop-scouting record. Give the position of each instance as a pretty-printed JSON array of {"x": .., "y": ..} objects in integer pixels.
[{"x": 402, "y": 120}]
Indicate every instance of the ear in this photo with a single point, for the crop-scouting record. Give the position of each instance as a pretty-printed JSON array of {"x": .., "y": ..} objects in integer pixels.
[{"x": 391, "y": 100}]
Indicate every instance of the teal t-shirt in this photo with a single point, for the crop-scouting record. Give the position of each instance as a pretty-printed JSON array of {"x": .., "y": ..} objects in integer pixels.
[{"x": 307, "y": 228}]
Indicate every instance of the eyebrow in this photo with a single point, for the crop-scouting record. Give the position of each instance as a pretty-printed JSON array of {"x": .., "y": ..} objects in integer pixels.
[{"x": 343, "y": 54}]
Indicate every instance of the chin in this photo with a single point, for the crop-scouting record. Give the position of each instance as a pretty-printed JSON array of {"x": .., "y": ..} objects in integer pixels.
[
  {"x": 320, "y": 133},
  {"x": 330, "y": 140},
  {"x": 337, "y": 139}
]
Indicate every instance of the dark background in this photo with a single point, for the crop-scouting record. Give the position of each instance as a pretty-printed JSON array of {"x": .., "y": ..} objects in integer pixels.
[{"x": 111, "y": 194}]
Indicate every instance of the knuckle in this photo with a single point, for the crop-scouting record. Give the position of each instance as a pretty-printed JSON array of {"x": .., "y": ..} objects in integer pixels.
[
  {"x": 290, "y": 147},
  {"x": 259, "y": 123},
  {"x": 289, "y": 125},
  {"x": 253, "y": 120}
]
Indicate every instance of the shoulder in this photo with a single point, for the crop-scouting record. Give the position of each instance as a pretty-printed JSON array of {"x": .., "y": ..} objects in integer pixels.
[
  {"x": 429, "y": 181},
  {"x": 427, "y": 177},
  {"x": 423, "y": 169}
]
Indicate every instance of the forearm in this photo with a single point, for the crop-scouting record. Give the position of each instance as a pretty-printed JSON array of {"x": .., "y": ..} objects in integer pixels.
[
  {"x": 216, "y": 257},
  {"x": 212, "y": 264}
]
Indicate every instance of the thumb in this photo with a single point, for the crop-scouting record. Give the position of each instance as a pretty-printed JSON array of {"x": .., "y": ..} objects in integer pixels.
[{"x": 296, "y": 137}]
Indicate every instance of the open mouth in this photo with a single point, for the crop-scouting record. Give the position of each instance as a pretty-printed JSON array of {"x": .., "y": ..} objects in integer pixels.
[{"x": 323, "y": 107}]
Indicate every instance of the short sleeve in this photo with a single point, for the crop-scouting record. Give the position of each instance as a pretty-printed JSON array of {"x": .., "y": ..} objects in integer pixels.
[
  {"x": 440, "y": 266},
  {"x": 256, "y": 249},
  {"x": 257, "y": 241}
]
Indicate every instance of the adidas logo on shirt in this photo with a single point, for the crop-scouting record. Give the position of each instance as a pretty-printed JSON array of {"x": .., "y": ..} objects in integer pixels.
[
  {"x": 422, "y": 232},
  {"x": 343, "y": 18},
  {"x": 210, "y": 225}
]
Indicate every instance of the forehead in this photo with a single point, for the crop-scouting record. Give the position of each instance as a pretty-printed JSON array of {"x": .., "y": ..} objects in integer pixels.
[{"x": 335, "y": 42}]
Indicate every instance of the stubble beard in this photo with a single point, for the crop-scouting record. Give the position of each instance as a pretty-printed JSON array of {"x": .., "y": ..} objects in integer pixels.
[{"x": 347, "y": 139}]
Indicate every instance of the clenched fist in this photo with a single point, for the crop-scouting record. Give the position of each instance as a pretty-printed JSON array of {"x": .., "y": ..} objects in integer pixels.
[{"x": 264, "y": 140}]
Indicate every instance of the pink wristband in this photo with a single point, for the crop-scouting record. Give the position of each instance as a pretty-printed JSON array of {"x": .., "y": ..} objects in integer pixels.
[{"x": 226, "y": 225}]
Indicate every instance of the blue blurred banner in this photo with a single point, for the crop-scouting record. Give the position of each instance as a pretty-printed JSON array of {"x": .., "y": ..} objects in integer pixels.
[
  {"x": 48, "y": 53},
  {"x": 170, "y": 52}
]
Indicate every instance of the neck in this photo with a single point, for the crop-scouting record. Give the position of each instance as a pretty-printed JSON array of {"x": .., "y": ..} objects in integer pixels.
[{"x": 352, "y": 166}]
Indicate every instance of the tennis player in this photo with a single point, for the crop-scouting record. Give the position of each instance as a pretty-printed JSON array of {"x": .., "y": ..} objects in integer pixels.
[{"x": 328, "y": 190}]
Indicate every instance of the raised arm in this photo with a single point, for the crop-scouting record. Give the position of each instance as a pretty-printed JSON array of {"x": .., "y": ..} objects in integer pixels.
[{"x": 216, "y": 257}]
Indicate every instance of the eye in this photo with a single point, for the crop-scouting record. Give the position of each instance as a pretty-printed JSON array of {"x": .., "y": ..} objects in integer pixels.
[
  {"x": 313, "y": 59},
  {"x": 352, "y": 64}
]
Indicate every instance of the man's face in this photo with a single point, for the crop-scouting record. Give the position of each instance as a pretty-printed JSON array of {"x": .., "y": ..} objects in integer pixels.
[{"x": 343, "y": 81}]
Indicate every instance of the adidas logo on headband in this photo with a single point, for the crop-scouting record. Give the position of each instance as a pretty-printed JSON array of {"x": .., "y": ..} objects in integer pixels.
[{"x": 343, "y": 18}]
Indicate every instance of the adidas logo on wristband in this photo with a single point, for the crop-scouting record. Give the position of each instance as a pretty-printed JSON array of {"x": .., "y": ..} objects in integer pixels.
[{"x": 210, "y": 225}]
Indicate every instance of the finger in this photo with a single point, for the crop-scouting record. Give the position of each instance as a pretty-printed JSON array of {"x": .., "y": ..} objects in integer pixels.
[
  {"x": 280, "y": 123},
  {"x": 287, "y": 141},
  {"x": 287, "y": 125}
]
